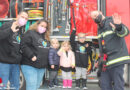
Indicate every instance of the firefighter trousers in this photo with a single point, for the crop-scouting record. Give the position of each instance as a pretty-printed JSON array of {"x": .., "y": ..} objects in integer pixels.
[{"x": 112, "y": 79}]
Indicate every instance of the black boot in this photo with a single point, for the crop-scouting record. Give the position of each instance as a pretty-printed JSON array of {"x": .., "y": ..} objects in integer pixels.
[
  {"x": 77, "y": 83},
  {"x": 84, "y": 84},
  {"x": 56, "y": 83},
  {"x": 51, "y": 85}
]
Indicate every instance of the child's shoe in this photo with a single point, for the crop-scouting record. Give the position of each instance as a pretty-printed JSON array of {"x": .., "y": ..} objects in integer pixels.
[
  {"x": 51, "y": 86},
  {"x": 69, "y": 83},
  {"x": 64, "y": 83},
  {"x": 77, "y": 84},
  {"x": 56, "y": 83},
  {"x": 84, "y": 84}
]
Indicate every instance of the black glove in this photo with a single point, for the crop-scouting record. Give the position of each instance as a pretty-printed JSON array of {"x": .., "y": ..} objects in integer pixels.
[{"x": 118, "y": 27}]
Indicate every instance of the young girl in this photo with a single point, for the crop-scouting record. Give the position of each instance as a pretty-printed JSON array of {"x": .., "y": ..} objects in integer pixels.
[
  {"x": 53, "y": 63},
  {"x": 67, "y": 62},
  {"x": 35, "y": 48}
]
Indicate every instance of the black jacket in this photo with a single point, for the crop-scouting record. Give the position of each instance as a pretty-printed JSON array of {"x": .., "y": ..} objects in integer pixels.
[
  {"x": 115, "y": 46},
  {"x": 34, "y": 44},
  {"x": 81, "y": 52},
  {"x": 9, "y": 44},
  {"x": 53, "y": 57}
]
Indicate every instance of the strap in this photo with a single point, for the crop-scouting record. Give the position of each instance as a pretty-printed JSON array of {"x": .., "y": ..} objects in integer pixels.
[
  {"x": 73, "y": 16},
  {"x": 16, "y": 8}
]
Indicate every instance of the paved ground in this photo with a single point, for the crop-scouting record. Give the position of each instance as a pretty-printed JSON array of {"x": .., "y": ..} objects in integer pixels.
[
  {"x": 92, "y": 84},
  {"x": 90, "y": 87}
]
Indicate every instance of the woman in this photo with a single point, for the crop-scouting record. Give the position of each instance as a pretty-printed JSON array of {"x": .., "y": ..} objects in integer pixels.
[{"x": 35, "y": 48}]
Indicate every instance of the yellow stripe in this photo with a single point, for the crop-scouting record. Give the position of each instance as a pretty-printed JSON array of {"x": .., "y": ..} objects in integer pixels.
[
  {"x": 117, "y": 60},
  {"x": 122, "y": 35},
  {"x": 105, "y": 33}
]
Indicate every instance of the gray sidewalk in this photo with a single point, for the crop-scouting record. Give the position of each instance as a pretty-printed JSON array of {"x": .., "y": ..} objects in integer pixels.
[{"x": 90, "y": 87}]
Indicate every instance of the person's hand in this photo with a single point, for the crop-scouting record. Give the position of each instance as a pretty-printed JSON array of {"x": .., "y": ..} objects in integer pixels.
[
  {"x": 74, "y": 29},
  {"x": 73, "y": 66},
  {"x": 87, "y": 45},
  {"x": 116, "y": 18},
  {"x": 62, "y": 49},
  {"x": 112, "y": 25},
  {"x": 34, "y": 58},
  {"x": 13, "y": 27},
  {"x": 96, "y": 64},
  {"x": 52, "y": 66}
]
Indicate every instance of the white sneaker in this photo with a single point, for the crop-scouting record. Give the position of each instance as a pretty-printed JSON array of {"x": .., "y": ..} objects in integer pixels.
[
  {"x": 77, "y": 87},
  {"x": 69, "y": 87},
  {"x": 64, "y": 87},
  {"x": 57, "y": 86},
  {"x": 85, "y": 88}
]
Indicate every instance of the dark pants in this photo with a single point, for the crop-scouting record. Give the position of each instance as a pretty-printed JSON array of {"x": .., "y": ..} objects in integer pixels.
[
  {"x": 53, "y": 78},
  {"x": 112, "y": 79}
]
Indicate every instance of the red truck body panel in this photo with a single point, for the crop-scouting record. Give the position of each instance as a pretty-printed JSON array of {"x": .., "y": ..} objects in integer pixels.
[
  {"x": 84, "y": 22},
  {"x": 122, "y": 7}
]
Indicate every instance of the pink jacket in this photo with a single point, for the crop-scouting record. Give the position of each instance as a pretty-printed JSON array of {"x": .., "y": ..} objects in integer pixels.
[{"x": 66, "y": 61}]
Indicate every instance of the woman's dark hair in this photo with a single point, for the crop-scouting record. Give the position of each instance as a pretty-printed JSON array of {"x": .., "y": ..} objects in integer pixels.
[
  {"x": 35, "y": 26},
  {"x": 22, "y": 12}
]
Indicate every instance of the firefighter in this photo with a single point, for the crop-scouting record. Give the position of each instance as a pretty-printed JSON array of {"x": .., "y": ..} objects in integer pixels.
[{"x": 111, "y": 33}]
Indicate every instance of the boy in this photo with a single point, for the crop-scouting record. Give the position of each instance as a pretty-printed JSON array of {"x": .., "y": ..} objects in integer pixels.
[{"x": 80, "y": 49}]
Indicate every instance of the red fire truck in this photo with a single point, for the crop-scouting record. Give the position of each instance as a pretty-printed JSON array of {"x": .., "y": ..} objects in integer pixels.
[{"x": 60, "y": 15}]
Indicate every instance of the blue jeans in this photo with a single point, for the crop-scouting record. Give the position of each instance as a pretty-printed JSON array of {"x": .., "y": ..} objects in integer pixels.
[
  {"x": 113, "y": 75},
  {"x": 33, "y": 76},
  {"x": 10, "y": 72}
]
